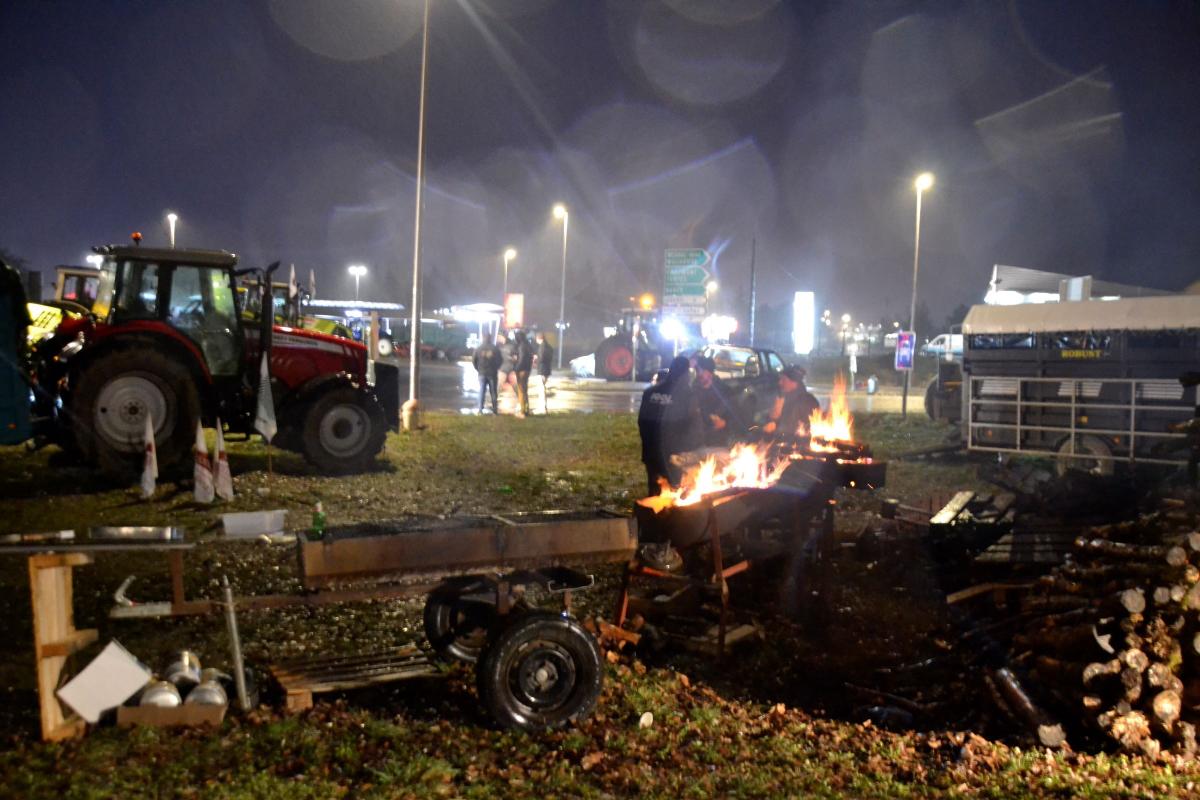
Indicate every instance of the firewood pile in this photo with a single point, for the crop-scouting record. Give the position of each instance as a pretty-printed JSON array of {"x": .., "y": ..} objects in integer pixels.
[{"x": 1112, "y": 645}]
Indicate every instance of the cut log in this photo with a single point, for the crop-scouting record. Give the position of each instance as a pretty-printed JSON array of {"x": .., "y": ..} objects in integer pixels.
[
  {"x": 1129, "y": 730},
  {"x": 1134, "y": 659},
  {"x": 1166, "y": 706},
  {"x": 1048, "y": 732},
  {"x": 1131, "y": 683},
  {"x": 1185, "y": 739},
  {"x": 1077, "y": 640},
  {"x": 1174, "y": 556},
  {"x": 1100, "y": 669},
  {"x": 1054, "y": 603}
]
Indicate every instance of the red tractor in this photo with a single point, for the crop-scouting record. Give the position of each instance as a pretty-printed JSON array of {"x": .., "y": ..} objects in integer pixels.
[{"x": 166, "y": 338}]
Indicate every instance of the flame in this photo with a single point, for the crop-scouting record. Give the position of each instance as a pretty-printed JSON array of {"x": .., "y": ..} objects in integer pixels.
[
  {"x": 745, "y": 466},
  {"x": 834, "y": 425},
  {"x": 758, "y": 466}
]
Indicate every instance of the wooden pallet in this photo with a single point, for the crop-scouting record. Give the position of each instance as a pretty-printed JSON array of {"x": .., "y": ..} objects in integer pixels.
[{"x": 302, "y": 678}]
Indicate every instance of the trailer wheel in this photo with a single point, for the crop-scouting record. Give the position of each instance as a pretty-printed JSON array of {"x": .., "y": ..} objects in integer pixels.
[
  {"x": 932, "y": 401},
  {"x": 1086, "y": 445},
  {"x": 115, "y": 394},
  {"x": 542, "y": 671},
  {"x": 343, "y": 431},
  {"x": 457, "y": 625}
]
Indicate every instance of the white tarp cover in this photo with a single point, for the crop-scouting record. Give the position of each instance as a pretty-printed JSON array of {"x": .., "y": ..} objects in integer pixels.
[{"x": 1136, "y": 314}]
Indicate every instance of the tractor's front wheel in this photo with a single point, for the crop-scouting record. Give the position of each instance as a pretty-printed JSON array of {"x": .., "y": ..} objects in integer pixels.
[
  {"x": 343, "y": 431},
  {"x": 117, "y": 393}
]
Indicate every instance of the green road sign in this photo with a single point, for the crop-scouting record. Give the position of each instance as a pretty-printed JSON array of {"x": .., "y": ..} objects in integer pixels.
[{"x": 684, "y": 283}]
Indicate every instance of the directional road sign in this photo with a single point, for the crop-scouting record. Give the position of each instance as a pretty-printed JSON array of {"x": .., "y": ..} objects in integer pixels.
[{"x": 685, "y": 278}]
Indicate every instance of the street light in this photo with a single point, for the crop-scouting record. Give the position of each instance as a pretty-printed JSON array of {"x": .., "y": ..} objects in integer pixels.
[
  {"x": 411, "y": 413},
  {"x": 172, "y": 218},
  {"x": 357, "y": 270},
  {"x": 560, "y": 212},
  {"x": 923, "y": 182},
  {"x": 509, "y": 255},
  {"x": 845, "y": 326}
]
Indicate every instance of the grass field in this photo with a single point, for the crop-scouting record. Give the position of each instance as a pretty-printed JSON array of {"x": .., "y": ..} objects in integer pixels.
[{"x": 744, "y": 729}]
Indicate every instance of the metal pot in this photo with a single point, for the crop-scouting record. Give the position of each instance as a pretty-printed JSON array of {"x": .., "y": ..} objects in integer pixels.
[
  {"x": 162, "y": 694},
  {"x": 184, "y": 671},
  {"x": 208, "y": 693}
]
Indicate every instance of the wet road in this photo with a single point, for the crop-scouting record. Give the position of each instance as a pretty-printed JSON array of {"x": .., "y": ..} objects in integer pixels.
[{"x": 455, "y": 387}]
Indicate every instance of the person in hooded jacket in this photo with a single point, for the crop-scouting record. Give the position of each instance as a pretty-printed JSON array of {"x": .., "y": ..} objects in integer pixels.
[
  {"x": 487, "y": 364},
  {"x": 521, "y": 354},
  {"x": 720, "y": 423},
  {"x": 668, "y": 422}
]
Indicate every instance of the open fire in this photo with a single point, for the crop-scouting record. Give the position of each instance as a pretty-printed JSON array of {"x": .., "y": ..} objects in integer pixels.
[{"x": 760, "y": 466}]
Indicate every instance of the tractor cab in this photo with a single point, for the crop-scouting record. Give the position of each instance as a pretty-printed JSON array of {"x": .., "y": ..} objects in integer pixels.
[{"x": 191, "y": 292}]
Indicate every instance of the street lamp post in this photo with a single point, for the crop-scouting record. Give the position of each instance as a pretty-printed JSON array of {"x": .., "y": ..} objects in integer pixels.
[
  {"x": 411, "y": 412},
  {"x": 845, "y": 325},
  {"x": 172, "y": 218},
  {"x": 560, "y": 212},
  {"x": 357, "y": 270},
  {"x": 923, "y": 182},
  {"x": 509, "y": 255}
]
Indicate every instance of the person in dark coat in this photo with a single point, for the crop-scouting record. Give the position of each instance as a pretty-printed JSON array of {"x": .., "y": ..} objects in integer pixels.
[
  {"x": 545, "y": 365},
  {"x": 487, "y": 364},
  {"x": 521, "y": 354},
  {"x": 667, "y": 422},
  {"x": 719, "y": 423},
  {"x": 793, "y": 407}
]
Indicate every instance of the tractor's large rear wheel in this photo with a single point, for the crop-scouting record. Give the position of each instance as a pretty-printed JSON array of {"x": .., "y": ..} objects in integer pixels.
[
  {"x": 343, "y": 431},
  {"x": 116, "y": 394}
]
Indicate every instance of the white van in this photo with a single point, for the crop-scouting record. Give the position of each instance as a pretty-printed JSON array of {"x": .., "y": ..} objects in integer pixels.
[{"x": 946, "y": 345}]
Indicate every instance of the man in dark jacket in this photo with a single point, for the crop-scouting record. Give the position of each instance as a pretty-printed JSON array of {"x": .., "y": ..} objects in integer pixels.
[
  {"x": 719, "y": 423},
  {"x": 793, "y": 407},
  {"x": 487, "y": 364},
  {"x": 521, "y": 354},
  {"x": 667, "y": 422},
  {"x": 545, "y": 365}
]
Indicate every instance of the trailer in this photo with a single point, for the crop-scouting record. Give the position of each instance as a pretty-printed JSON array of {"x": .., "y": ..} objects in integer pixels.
[{"x": 535, "y": 668}]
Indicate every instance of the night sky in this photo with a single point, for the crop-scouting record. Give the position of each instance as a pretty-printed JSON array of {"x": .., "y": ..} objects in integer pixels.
[{"x": 1062, "y": 135}]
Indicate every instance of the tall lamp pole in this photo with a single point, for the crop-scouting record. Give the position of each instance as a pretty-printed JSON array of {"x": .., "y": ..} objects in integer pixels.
[
  {"x": 357, "y": 270},
  {"x": 560, "y": 212},
  {"x": 509, "y": 255},
  {"x": 172, "y": 218},
  {"x": 923, "y": 182},
  {"x": 412, "y": 408}
]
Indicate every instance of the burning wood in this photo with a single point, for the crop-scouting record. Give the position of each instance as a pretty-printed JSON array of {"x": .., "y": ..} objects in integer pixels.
[{"x": 828, "y": 434}]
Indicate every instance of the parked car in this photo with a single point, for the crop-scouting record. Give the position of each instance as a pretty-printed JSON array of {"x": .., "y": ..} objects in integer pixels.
[
  {"x": 944, "y": 345},
  {"x": 751, "y": 375}
]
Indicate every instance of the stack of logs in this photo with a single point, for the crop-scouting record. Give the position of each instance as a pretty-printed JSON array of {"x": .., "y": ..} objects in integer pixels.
[{"x": 1113, "y": 641}]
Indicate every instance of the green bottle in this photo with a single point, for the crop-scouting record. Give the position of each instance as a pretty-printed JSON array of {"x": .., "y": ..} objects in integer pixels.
[{"x": 318, "y": 522}]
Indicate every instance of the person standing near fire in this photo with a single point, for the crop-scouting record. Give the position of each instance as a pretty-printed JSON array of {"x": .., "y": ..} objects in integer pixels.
[
  {"x": 522, "y": 358},
  {"x": 545, "y": 365},
  {"x": 718, "y": 419},
  {"x": 487, "y": 365},
  {"x": 794, "y": 405},
  {"x": 667, "y": 421}
]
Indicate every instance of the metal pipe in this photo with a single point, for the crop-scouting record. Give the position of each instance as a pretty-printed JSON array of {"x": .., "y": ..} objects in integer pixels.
[
  {"x": 411, "y": 416},
  {"x": 235, "y": 645}
]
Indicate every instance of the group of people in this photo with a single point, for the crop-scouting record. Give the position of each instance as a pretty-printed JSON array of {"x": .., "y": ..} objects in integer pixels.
[
  {"x": 511, "y": 361},
  {"x": 679, "y": 414}
]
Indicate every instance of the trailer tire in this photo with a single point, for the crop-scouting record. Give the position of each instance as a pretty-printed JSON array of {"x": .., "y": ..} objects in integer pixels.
[
  {"x": 116, "y": 391},
  {"x": 343, "y": 431},
  {"x": 1086, "y": 445},
  {"x": 932, "y": 401},
  {"x": 457, "y": 626},
  {"x": 542, "y": 671}
]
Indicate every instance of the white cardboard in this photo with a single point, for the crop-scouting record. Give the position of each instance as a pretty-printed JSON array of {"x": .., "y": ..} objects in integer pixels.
[{"x": 108, "y": 681}]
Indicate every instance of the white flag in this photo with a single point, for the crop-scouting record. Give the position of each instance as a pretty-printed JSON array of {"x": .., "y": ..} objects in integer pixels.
[
  {"x": 293, "y": 287},
  {"x": 150, "y": 464},
  {"x": 202, "y": 474},
  {"x": 222, "y": 479},
  {"x": 264, "y": 416}
]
